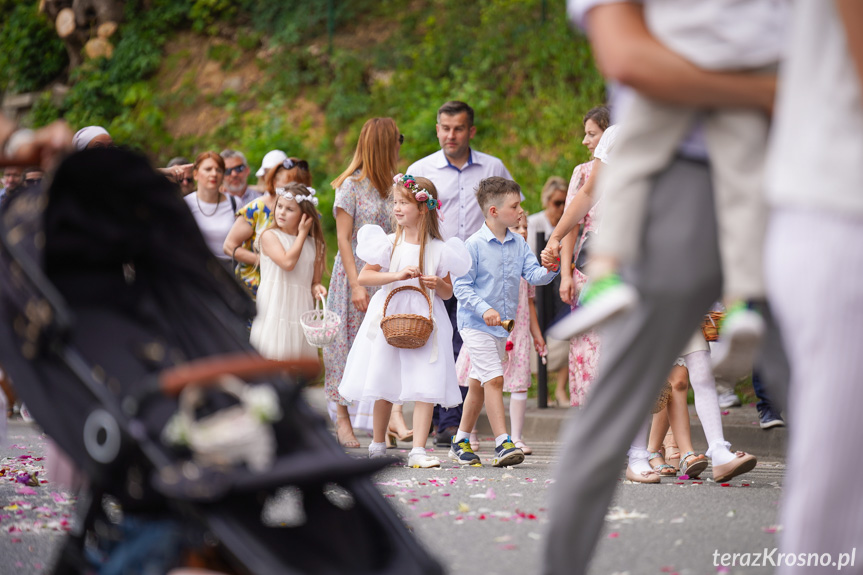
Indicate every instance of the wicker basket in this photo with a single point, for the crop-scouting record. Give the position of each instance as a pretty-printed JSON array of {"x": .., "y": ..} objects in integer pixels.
[
  {"x": 407, "y": 330},
  {"x": 320, "y": 326},
  {"x": 710, "y": 325}
]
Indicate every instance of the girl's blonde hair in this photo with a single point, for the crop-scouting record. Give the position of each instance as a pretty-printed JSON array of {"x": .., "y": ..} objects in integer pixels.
[
  {"x": 309, "y": 209},
  {"x": 429, "y": 225},
  {"x": 375, "y": 155}
]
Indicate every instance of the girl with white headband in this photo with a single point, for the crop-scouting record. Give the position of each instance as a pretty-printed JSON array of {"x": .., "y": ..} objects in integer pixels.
[{"x": 293, "y": 256}]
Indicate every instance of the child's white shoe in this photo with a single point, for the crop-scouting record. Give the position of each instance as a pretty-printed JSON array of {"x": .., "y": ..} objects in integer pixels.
[
  {"x": 377, "y": 450},
  {"x": 422, "y": 461}
]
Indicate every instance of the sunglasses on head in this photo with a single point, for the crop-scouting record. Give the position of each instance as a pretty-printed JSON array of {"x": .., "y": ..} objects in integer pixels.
[
  {"x": 236, "y": 169},
  {"x": 299, "y": 164}
]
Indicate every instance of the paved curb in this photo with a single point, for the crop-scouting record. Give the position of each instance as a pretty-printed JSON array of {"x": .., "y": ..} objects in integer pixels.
[{"x": 740, "y": 426}]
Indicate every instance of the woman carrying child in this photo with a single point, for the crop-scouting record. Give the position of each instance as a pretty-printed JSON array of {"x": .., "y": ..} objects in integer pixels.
[
  {"x": 293, "y": 255},
  {"x": 415, "y": 255}
]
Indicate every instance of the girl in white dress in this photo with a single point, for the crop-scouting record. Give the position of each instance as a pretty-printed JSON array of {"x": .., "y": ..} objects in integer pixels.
[
  {"x": 293, "y": 255},
  {"x": 414, "y": 255}
]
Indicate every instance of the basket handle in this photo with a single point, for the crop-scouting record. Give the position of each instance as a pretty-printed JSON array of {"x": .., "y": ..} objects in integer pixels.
[
  {"x": 414, "y": 288},
  {"x": 209, "y": 370},
  {"x": 323, "y": 306}
]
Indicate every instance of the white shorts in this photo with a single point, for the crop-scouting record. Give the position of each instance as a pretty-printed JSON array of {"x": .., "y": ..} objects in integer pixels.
[{"x": 486, "y": 354}]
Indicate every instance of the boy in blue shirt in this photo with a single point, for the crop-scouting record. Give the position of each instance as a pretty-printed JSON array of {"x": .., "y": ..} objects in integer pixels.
[{"x": 487, "y": 295}]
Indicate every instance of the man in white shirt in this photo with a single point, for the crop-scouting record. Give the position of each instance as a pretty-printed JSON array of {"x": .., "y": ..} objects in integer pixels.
[{"x": 455, "y": 170}]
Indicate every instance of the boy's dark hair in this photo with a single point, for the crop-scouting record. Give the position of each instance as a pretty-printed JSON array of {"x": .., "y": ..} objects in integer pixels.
[
  {"x": 491, "y": 192},
  {"x": 455, "y": 107}
]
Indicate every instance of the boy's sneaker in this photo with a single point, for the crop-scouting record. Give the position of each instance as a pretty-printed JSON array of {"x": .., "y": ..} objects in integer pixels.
[
  {"x": 422, "y": 461},
  {"x": 507, "y": 454},
  {"x": 728, "y": 399},
  {"x": 769, "y": 418},
  {"x": 462, "y": 453},
  {"x": 740, "y": 336},
  {"x": 600, "y": 300}
]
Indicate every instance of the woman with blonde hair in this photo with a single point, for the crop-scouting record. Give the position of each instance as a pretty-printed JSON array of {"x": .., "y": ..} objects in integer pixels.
[
  {"x": 361, "y": 198},
  {"x": 256, "y": 216}
]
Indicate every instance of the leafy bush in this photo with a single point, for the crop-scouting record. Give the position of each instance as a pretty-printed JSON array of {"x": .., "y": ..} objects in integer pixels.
[{"x": 31, "y": 54}]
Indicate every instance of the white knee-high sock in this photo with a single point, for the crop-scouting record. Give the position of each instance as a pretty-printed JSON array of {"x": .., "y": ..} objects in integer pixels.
[
  {"x": 638, "y": 453},
  {"x": 707, "y": 406},
  {"x": 517, "y": 409}
]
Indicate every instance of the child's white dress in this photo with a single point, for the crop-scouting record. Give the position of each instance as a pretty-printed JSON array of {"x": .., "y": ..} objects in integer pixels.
[
  {"x": 283, "y": 296},
  {"x": 377, "y": 370}
]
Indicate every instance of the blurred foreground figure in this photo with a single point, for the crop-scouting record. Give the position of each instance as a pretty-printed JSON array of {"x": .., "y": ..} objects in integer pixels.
[{"x": 816, "y": 184}]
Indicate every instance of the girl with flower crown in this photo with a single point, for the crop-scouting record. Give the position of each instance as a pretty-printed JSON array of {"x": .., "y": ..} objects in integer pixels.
[
  {"x": 293, "y": 256},
  {"x": 415, "y": 255}
]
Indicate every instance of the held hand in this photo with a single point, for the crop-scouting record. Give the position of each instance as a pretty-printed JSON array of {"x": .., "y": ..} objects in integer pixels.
[
  {"x": 539, "y": 344},
  {"x": 360, "y": 298},
  {"x": 305, "y": 224},
  {"x": 430, "y": 282},
  {"x": 408, "y": 273},
  {"x": 491, "y": 318},
  {"x": 548, "y": 260},
  {"x": 319, "y": 291},
  {"x": 567, "y": 292}
]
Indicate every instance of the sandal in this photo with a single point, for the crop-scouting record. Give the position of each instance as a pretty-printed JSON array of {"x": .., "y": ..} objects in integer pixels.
[
  {"x": 393, "y": 437},
  {"x": 663, "y": 469},
  {"x": 672, "y": 452},
  {"x": 741, "y": 463},
  {"x": 523, "y": 446},
  {"x": 351, "y": 442},
  {"x": 643, "y": 477},
  {"x": 692, "y": 465}
]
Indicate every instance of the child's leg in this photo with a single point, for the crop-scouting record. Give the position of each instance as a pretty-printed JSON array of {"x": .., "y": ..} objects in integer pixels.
[
  {"x": 691, "y": 463},
  {"x": 737, "y": 144},
  {"x": 517, "y": 409},
  {"x": 471, "y": 407},
  {"x": 707, "y": 406},
  {"x": 658, "y": 429},
  {"x": 422, "y": 422},
  {"x": 494, "y": 406},
  {"x": 647, "y": 141},
  {"x": 381, "y": 418}
]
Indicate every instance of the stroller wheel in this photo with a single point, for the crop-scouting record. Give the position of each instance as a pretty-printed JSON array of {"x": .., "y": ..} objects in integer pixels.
[{"x": 102, "y": 436}]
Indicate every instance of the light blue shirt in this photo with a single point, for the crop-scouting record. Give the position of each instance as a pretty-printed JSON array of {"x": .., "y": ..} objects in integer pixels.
[
  {"x": 492, "y": 282},
  {"x": 456, "y": 189}
]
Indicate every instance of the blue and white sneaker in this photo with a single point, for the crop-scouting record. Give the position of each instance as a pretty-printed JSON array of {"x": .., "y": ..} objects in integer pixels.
[
  {"x": 507, "y": 454},
  {"x": 461, "y": 453}
]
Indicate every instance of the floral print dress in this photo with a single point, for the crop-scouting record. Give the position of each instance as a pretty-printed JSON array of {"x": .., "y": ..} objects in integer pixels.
[
  {"x": 260, "y": 217},
  {"x": 583, "y": 349},
  {"x": 366, "y": 206}
]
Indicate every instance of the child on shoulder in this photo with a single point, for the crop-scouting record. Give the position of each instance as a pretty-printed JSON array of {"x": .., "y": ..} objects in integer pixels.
[
  {"x": 487, "y": 294},
  {"x": 293, "y": 256},
  {"x": 415, "y": 255}
]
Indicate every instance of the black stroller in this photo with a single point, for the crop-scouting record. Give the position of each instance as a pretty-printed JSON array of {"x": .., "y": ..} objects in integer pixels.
[{"x": 111, "y": 304}]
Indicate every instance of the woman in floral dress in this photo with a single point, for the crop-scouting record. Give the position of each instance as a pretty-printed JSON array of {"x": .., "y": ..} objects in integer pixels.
[
  {"x": 361, "y": 198},
  {"x": 583, "y": 349}
]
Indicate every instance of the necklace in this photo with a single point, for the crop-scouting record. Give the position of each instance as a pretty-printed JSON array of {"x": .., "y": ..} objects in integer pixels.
[{"x": 203, "y": 213}]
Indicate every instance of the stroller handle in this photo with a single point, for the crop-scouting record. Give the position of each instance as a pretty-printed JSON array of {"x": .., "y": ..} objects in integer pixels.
[{"x": 207, "y": 371}]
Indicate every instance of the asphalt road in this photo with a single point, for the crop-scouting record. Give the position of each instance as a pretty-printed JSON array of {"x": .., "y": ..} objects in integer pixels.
[{"x": 477, "y": 519}]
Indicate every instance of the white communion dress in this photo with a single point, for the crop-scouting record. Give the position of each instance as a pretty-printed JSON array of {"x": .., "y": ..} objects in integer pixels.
[
  {"x": 283, "y": 296},
  {"x": 377, "y": 370}
]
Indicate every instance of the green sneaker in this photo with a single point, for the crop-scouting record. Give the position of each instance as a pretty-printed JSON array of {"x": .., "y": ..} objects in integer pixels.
[
  {"x": 507, "y": 454},
  {"x": 600, "y": 300}
]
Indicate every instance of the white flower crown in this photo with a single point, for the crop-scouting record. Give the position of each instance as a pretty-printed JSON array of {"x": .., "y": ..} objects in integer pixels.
[{"x": 299, "y": 198}]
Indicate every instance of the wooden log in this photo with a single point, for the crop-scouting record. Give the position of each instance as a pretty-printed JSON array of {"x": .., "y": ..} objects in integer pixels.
[
  {"x": 65, "y": 23},
  {"x": 98, "y": 47},
  {"x": 106, "y": 30}
]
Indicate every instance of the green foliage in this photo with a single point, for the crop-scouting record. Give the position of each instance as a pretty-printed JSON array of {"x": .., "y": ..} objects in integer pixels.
[{"x": 31, "y": 54}]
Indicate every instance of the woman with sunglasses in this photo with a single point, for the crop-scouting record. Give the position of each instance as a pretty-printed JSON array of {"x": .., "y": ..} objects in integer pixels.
[
  {"x": 256, "y": 216},
  {"x": 553, "y": 199}
]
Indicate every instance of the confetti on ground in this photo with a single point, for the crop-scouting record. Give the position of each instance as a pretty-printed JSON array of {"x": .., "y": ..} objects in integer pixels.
[
  {"x": 613, "y": 535},
  {"x": 620, "y": 514}
]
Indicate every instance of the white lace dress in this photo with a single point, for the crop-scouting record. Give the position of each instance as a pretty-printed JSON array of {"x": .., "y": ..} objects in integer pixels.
[
  {"x": 283, "y": 296},
  {"x": 375, "y": 369}
]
